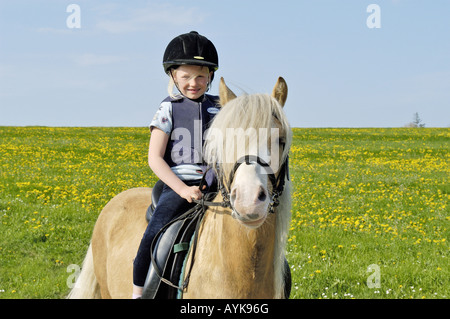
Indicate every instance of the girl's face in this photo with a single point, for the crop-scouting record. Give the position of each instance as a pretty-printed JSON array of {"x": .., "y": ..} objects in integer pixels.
[{"x": 192, "y": 80}]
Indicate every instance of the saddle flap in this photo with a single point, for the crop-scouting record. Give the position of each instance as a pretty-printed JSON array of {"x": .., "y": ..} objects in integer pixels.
[
  {"x": 169, "y": 255},
  {"x": 161, "y": 255}
]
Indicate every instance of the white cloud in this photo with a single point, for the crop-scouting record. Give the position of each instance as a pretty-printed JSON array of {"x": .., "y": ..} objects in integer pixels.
[
  {"x": 154, "y": 16},
  {"x": 90, "y": 59},
  {"x": 50, "y": 30},
  {"x": 117, "y": 18}
]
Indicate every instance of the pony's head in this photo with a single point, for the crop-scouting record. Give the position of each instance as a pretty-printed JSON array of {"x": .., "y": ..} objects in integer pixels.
[{"x": 248, "y": 144}]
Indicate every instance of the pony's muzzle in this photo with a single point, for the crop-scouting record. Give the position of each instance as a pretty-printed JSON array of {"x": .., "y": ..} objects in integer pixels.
[{"x": 250, "y": 204}]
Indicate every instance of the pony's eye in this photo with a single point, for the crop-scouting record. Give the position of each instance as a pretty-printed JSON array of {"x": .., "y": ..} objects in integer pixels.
[{"x": 282, "y": 141}]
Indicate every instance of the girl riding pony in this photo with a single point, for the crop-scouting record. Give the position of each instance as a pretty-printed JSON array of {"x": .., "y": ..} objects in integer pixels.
[{"x": 177, "y": 129}]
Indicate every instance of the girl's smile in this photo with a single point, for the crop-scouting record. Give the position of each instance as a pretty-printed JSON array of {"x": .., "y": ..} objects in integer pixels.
[{"x": 193, "y": 91}]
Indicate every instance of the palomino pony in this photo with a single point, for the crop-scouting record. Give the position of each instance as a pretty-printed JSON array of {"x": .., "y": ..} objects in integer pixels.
[{"x": 240, "y": 249}]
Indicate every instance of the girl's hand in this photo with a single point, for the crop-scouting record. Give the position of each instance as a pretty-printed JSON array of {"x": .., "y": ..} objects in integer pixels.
[{"x": 191, "y": 192}]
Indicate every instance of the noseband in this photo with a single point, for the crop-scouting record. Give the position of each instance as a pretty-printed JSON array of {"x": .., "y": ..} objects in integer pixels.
[{"x": 277, "y": 182}]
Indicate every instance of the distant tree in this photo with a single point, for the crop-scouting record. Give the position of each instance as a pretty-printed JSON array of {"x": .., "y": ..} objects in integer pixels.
[{"x": 417, "y": 122}]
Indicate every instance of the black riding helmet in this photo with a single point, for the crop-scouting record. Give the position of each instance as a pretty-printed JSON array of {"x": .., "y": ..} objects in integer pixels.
[{"x": 190, "y": 48}]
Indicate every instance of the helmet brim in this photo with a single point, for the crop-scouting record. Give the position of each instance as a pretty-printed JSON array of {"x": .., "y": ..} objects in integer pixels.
[{"x": 172, "y": 64}]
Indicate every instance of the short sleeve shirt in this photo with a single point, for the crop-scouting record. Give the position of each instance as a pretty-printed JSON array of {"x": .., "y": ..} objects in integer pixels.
[{"x": 163, "y": 118}]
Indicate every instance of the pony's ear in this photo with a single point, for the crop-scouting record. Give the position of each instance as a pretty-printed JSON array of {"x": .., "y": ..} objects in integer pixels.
[
  {"x": 225, "y": 93},
  {"x": 280, "y": 91}
]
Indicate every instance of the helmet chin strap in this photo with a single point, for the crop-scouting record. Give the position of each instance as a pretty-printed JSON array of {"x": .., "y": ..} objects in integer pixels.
[
  {"x": 208, "y": 85},
  {"x": 175, "y": 82}
]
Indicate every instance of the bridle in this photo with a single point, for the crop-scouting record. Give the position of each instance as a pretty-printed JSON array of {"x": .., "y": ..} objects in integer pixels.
[{"x": 224, "y": 187}]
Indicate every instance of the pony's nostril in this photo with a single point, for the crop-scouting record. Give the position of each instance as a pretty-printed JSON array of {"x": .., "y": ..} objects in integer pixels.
[{"x": 262, "y": 194}]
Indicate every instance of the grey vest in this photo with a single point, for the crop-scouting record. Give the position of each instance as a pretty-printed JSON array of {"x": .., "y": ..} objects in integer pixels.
[{"x": 190, "y": 119}]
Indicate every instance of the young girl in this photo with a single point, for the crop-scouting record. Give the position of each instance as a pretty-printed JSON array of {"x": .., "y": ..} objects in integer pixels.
[{"x": 175, "y": 150}]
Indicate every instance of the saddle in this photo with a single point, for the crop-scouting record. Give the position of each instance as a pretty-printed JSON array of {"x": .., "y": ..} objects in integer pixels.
[{"x": 169, "y": 252}]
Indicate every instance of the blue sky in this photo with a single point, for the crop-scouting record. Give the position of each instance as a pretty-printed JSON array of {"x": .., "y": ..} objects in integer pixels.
[{"x": 340, "y": 72}]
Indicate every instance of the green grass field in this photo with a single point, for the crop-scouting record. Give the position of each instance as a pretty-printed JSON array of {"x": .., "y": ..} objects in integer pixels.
[{"x": 370, "y": 213}]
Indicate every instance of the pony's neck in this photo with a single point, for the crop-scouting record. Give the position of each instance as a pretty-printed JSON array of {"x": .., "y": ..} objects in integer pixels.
[
  {"x": 236, "y": 261},
  {"x": 247, "y": 256}
]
